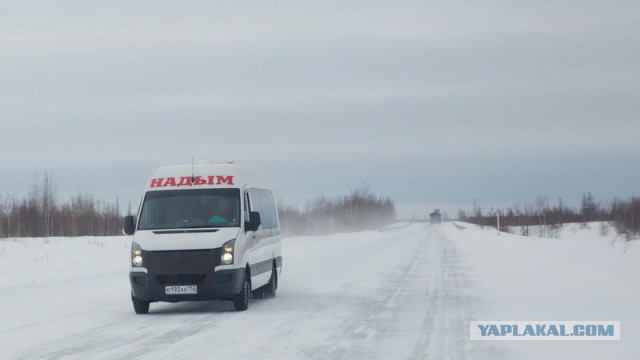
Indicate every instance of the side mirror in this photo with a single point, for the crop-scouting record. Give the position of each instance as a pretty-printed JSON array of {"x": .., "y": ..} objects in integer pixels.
[
  {"x": 254, "y": 221},
  {"x": 129, "y": 225}
]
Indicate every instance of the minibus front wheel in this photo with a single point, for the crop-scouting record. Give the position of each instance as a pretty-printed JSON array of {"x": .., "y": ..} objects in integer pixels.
[
  {"x": 241, "y": 301},
  {"x": 140, "y": 306}
]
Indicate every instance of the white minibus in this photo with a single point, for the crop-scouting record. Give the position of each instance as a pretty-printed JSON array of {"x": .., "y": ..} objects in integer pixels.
[{"x": 204, "y": 232}]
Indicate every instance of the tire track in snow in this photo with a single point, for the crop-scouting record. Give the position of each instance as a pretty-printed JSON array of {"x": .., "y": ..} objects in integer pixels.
[
  {"x": 133, "y": 337},
  {"x": 448, "y": 307},
  {"x": 419, "y": 310}
]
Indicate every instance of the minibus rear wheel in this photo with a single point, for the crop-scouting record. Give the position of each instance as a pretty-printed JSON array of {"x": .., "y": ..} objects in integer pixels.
[{"x": 272, "y": 285}]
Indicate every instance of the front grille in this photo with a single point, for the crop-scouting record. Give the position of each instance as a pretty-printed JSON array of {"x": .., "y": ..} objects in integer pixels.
[
  {"x": 180, "y": 267},
  {"x": 186, "y": 279},
  {"x": 190, "y": 258}
]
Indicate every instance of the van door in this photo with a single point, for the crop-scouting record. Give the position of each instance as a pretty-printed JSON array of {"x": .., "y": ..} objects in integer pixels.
[{"x": 250, "y": 237}]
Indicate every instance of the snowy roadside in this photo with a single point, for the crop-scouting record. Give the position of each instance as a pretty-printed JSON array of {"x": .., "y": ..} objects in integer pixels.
[
  {"x": 34, "y": 261},
  {"x": 579, "y": 276}
]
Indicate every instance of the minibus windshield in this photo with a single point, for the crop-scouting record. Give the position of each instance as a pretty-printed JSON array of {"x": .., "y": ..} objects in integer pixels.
[{"x": 190, "y": 208}]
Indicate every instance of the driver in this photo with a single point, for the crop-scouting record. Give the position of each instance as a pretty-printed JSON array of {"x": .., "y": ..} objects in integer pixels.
[{"x": 221, "y": 212}]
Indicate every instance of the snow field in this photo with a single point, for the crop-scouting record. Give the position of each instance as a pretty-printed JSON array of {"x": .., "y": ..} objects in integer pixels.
[
  {"x": 405, "y": 292},
  {"x": 579, "y": 276}
]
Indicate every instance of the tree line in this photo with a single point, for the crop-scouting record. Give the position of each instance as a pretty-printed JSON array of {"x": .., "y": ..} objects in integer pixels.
[
  {"x": 41, "y": 214},
  {"x": 547, "y": 218},
  {"x": 359, "y": 210}
]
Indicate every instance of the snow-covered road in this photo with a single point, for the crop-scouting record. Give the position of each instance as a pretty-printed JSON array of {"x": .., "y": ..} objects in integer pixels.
[{"x": 405, "y": 292}]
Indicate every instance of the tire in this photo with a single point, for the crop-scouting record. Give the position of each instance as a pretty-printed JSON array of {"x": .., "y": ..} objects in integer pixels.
[
  {"x": 241, "y": 301},
  {"x": 269, "y": 290},
  {"x": 140, "y": 306}
]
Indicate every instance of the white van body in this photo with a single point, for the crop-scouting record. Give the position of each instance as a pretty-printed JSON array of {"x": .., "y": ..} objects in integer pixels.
[{"x": 204, "y": 232}]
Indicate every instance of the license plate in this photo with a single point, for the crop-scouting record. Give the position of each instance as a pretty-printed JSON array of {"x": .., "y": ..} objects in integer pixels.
[{"x": 181, "y": 289}]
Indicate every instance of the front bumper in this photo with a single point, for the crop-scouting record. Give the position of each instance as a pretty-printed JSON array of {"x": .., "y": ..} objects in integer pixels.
[
  {"x": 217, "y": 285},
  {"x": 192, "y": 267}
]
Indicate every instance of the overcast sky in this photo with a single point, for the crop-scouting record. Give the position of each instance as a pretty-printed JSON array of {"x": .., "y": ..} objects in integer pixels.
[{"x": 431, "y": 103}]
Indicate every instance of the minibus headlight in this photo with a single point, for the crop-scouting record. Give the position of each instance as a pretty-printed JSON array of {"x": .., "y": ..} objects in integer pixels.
[
  {"x": 226, "y": 256},
  {"x": 136, "y": 255}
]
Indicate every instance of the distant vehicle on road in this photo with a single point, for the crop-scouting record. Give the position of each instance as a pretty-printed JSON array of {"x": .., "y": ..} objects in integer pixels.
[{"x": 435, "y": 217}]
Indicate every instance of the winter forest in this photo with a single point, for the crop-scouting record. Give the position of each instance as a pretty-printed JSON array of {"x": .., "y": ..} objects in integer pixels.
[
  {"x": 41, "y": 213},
  {"x": 546, "y": 219}
]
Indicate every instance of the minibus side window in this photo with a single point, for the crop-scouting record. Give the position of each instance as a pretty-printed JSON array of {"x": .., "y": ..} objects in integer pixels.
[{"x": 262, "y": 202}]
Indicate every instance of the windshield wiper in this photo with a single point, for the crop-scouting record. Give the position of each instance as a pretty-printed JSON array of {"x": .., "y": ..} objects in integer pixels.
[{"x": 183, "y": 231}]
